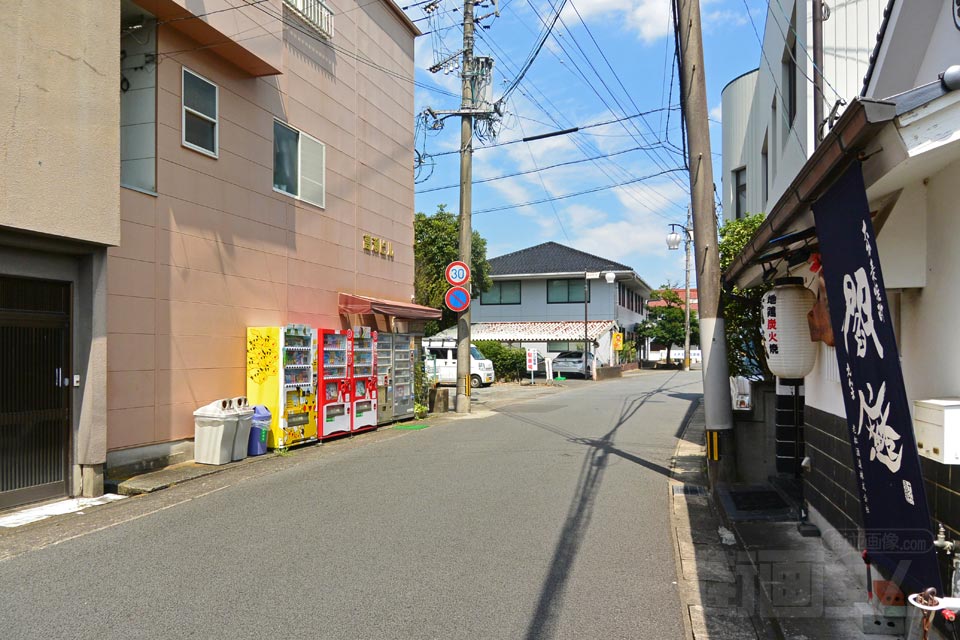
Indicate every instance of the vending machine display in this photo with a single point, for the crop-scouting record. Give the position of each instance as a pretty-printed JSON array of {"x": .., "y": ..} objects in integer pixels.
[
  {"x": 403, "y": 355},
  {"x": 385, "y": 378},
  {"x": 282, "y": 376},
  {"x": 335, "y": 396},
  {"x": 364, "y": 384}
]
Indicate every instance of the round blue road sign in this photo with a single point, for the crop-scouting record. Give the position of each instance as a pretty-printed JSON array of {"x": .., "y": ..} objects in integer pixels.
[{"x": 457, "y": 299}]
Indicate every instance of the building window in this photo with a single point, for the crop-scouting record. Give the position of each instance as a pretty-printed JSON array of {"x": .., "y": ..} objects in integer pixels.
[
  {"x": 564, "y": 345},
  {"x": 504, "y": 292},
  {"x": 299, "y": 162},
  {"x": 200, "y": 103},
  {"x": 740, "y": 183},
  {"x": 789, "y": 84},
  {"x": 765, "y": 171},
  {"x": 559, "y": 291}
]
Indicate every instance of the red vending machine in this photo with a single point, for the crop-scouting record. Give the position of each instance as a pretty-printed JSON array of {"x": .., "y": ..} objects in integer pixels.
[
  {"x": 334, "y": 397},
  {"x": 364, "y": 385}
]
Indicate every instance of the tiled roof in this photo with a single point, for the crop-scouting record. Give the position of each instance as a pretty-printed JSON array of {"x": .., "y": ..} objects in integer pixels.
[
  {"x": 532, "y": 331},
  {"x": 551, "y": 257}
]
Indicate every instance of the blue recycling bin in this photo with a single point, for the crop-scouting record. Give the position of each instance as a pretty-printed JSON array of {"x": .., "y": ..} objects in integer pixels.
[{"x": 259, "y": 430}]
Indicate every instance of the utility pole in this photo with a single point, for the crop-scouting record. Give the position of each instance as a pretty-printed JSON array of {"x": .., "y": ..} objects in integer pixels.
[
  {"x": 686, "y": 299},
  {"x": 466, "y": 196},
  {"x": 721, "y": 451}
]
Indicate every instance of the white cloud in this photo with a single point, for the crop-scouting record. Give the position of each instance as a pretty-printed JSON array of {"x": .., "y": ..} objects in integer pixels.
[
  {"x": 649, "y": 19},
  {"x": 717, "y": 112}
]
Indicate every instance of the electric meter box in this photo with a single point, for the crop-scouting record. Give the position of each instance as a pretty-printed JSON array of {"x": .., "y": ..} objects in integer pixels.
[{"x": 936, "y": 425}]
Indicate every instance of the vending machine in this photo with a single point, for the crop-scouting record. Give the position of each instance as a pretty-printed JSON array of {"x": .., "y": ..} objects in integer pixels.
[
  {"x": 364, "y": 385},
  {"x": 282, "y": 376},
  {"x": 334, "y": 394},
  {"x": 404, "y": 352},
  {"x": 384, "y": 378}
]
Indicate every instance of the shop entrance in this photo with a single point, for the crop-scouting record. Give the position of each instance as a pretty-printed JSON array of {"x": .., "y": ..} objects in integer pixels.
[{"x": 35, "y": 380}]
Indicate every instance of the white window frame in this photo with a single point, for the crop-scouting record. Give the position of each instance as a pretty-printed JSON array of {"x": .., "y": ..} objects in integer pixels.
[
  {"x": 183, "y": 116},
  {"x": 322, "y": 205}
]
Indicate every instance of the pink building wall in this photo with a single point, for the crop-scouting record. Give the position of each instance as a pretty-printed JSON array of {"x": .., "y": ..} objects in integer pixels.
[{"x": 217, "y": 249}]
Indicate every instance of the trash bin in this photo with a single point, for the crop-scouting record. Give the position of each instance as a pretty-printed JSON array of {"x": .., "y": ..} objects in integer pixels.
[
  {"x": 259, "y": 430},
  {"x": 214, "y": 430},
  {"x": 244, "y": 424}
]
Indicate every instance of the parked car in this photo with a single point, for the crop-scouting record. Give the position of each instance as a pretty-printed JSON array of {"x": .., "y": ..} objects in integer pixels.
[
  {"x": 441, "y": 357},
  {"x": 571, "y": 362}
]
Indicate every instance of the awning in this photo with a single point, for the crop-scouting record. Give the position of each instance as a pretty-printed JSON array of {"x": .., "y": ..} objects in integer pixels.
[{"x": 350, "y": 303}]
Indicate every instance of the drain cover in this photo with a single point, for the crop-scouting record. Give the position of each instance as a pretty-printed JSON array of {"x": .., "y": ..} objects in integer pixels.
[{"x": 689, "y": 490}]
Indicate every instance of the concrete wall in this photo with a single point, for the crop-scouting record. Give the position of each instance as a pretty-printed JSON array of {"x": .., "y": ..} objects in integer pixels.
[
  {"x": 217, "y": 249},
  {"x": 59, "y": 111}
]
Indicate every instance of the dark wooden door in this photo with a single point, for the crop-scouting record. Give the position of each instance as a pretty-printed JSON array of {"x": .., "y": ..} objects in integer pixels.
[{"x": 34, "y": 389}]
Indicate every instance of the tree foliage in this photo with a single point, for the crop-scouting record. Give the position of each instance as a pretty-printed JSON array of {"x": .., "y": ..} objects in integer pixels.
[
  {"x": 665, "y": 324},
  {"x": 508, "y": 362},
  {"x": 741, "y": 307},
  {"x": 436, "y": 243}
]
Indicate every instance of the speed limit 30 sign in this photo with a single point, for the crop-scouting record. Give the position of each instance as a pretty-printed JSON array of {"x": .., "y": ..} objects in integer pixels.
[{"x": 457, "y": 273}]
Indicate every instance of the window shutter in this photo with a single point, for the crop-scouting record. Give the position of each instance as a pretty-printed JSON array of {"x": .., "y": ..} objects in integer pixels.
[{"x": 312, "y": 165}]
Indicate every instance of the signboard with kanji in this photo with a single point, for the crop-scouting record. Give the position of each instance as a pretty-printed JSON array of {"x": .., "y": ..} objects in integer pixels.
[
  {"x": 532, "y": 359},
  {"x": 618, "y": 341}
]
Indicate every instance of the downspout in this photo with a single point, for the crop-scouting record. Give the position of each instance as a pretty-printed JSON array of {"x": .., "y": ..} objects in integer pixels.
[{"x": 817, "y": 70}]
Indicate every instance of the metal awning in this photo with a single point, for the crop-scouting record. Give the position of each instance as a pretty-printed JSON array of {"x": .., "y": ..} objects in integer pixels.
[{"x": 350, "y": 303}]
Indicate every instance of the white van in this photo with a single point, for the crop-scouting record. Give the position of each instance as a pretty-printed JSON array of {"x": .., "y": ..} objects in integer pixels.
[{"x": 441, "y": 361}]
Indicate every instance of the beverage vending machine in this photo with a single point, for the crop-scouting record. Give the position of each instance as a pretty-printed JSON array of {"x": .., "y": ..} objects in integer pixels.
[
  {"x": 384, "y": 378},
  {"x": 282, "y": 376},
  {"x": 404, "y": 352},
  {"x": 334, "y": 393},
  {"x": 364, "y": 385}
]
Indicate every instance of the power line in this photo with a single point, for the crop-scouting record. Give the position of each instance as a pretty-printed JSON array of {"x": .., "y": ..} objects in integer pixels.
[
  {"x": 536, "y": 49},
  {"x": 575, "y": 129},
  {"x": 585, "y": 147},
  {"x": 537, "y": 170},
  {"x": 582, "y": 193},
  {"x": 543, "y": 184}
]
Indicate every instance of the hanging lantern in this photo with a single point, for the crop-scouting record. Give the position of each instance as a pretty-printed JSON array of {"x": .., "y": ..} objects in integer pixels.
[{"x": 786, "y": 335}]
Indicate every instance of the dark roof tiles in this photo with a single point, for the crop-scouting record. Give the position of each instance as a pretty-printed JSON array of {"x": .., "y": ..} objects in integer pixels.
[{"x": 551, "y": 257}]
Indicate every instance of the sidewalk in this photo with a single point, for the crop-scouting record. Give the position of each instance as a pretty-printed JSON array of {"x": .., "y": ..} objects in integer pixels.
[{"x": 758, "y": 579}]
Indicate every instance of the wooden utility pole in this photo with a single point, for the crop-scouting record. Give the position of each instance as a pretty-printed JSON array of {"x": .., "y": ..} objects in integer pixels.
[
  {"x": 466, "y": 196},
  {"x": 721, "y": 452}
]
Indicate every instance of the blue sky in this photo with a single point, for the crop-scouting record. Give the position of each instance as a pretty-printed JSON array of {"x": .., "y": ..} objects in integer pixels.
[{"x": 595, "y": 47}]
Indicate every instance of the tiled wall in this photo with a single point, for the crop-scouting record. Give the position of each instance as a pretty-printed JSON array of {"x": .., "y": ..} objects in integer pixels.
[
  {"x": 218, "y": 250},
  {"x": 831, "y": 486}
]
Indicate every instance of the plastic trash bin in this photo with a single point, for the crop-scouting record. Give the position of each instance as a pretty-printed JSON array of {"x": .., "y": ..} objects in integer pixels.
[
  {"x": 258, "y": 431},
  {"x": 214, "y": 430},
  {"x": 244, "y": 423}
]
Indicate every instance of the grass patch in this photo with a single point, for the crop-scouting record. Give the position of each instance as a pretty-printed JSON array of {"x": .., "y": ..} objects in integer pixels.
[{"x": 411, "y": 427}]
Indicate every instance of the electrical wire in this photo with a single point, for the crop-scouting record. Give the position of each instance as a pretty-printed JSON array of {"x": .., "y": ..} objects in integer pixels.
[
  {"x": 529, "y": 171},
  {"x": 580, "y": 193},
  {"x": 580, "y": 128},
  {"x": 543, "y": 184},
  {"x": 532, "y": 56}
]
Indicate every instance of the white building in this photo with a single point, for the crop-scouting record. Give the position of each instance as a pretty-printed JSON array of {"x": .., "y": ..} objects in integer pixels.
[{"x": 902, "y": 125}]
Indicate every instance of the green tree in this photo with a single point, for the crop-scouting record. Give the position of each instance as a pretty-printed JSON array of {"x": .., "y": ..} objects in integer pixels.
[
  {"x": 741, "y": 307},
  {"x": 436, "y": 243},
  {"x": 665, "y": 324}
]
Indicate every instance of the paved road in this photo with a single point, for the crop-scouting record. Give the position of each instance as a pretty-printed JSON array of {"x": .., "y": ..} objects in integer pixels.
[{"x": 544, "y": 519}]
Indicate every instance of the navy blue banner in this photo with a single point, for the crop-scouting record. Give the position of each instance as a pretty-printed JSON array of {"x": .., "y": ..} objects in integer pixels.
[{"x": 886, "y": 462}]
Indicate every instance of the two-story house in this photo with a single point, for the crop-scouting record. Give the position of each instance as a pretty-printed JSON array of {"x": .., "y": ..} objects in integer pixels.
[
  {"x": 172, "y": 173},
  {"x": 550, "y": 297}
]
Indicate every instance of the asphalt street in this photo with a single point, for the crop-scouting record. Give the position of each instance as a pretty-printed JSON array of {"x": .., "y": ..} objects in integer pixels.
[{"x": 547, "y": 518}]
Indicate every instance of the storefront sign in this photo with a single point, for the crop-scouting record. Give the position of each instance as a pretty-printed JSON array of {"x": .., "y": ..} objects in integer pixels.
[
  {"x": 379, "y": 246},
  {"x": 618, "y": 342},
  {"x": 886, "y": 463}
]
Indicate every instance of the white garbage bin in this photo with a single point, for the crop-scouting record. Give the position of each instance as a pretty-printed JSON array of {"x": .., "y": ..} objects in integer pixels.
[
  {"x": 244, "y": 422},
  {"x": 214, "y": 431}
]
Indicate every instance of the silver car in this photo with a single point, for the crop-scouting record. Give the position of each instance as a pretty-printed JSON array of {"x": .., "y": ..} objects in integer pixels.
[{"x": 571, "y": 362}]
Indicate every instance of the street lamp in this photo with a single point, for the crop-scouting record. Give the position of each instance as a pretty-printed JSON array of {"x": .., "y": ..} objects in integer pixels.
[
  {"x": 610, "y": 277},
  {"x": 673, "y": 243}
]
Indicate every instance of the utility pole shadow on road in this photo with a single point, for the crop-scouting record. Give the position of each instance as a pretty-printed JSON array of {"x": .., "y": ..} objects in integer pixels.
[{"x": 543, "y": 624}]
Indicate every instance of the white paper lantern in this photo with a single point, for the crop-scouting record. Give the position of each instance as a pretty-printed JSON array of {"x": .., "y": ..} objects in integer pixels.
[{"x": 786, "y": 335}]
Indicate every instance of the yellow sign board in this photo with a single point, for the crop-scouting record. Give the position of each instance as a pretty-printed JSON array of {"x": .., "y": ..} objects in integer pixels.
[
  {"x": 618, "y": 342},
  {"x": 377, "y": 246}
]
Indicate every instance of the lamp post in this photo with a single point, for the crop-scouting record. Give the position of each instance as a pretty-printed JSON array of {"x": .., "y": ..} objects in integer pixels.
[
  {"x": 673, "y": 242},
  {"x": 610, "y": 277}
]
